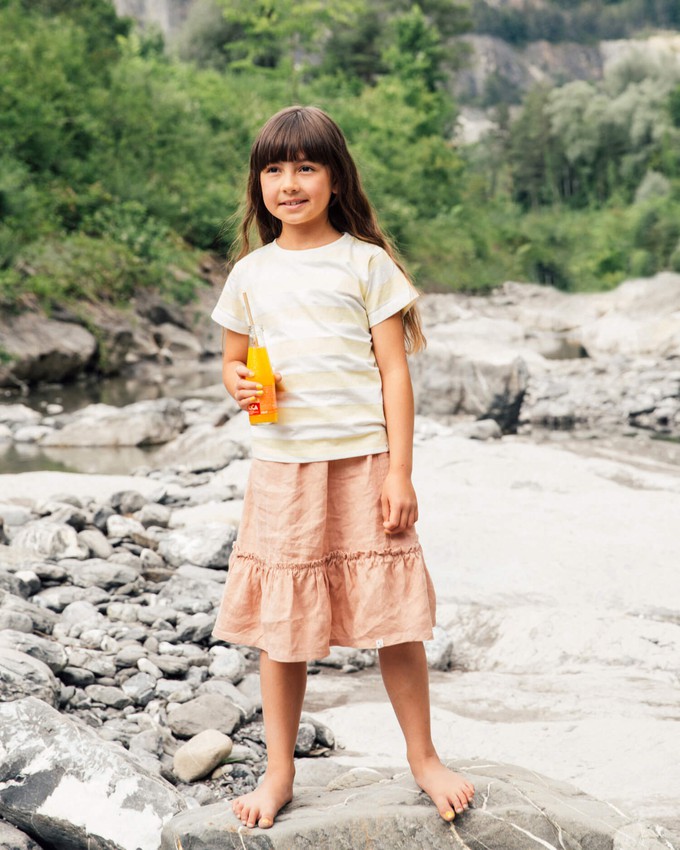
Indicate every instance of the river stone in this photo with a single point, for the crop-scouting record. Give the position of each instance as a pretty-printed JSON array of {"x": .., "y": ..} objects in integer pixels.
[
  {"x": 209, "y": 711},
  {"x": 227, "y": 663},
  {"x": 15, "y": 620},
  {"x": 51, "y": 539},
  {"x": 14, "y": 514},
  {"x": 99, "y": 573},
  {"x": 143, "y": 423},
  {"x": 21, "y": 675},
  {"x": 202, "y": 447},
  {"x": 122, "y": 526},
  {"x": 304, "y": 742},
  {"x": 201, "y": 754},
  {"x": 206, "y": 545},
  {"x": 78, "y": 792},
  {"x": 19, "y": 414},
  {"x": 355, "y": 778},
  {"x": 153, "y": 514},
  {"x": 43, "y": 620},
  {"x": 48, "y": 651},
  {"x": 96, "y": 542},
  {"x": 108, "y": 695},
  {"x": 127, "y": 501},
  {"x": 141, "y": 688},
  {"x": 195, "y": 627},
  {"x": 13, "y": 839},
  {"x": 515, "y": 809}
]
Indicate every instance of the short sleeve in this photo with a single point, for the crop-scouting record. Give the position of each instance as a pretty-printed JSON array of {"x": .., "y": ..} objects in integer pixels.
[
  {"x": 388, "y": 290},
  {"x": 230, "y": 310}
]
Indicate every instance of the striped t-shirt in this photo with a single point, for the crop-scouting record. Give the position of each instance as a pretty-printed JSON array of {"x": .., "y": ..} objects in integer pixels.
[{"x": 317, "y": 307}]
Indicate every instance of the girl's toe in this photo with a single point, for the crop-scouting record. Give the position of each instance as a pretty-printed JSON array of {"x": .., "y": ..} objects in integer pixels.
[
  {"x": 265, "y": 822},
  {"x": 445, "y": 808}
]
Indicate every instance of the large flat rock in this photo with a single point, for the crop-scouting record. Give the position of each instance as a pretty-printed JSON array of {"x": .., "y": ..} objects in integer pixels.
[{"x": 514, "y": 809}]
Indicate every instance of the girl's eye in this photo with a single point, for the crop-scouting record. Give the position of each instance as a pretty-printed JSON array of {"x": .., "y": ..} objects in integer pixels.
[
  {"x": 270, "y": 169},
  {"x": 306, "y": 168}
]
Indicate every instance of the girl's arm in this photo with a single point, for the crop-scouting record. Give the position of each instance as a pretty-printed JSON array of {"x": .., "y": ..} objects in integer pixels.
[{"x": 399, "y": 503}]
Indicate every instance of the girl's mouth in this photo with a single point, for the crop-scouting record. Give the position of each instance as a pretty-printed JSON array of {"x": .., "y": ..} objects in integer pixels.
[{"x": 295, "y": 203}]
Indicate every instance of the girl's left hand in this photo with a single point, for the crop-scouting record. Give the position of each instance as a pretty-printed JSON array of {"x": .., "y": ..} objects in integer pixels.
[{"x": 399, "y": 503}]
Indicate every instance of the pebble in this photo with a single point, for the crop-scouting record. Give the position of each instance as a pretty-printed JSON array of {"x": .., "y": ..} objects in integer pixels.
[{"x": 201, "y": 754}]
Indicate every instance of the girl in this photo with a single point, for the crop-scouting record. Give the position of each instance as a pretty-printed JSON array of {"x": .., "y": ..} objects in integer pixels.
[{"x": 327, "y": 552}]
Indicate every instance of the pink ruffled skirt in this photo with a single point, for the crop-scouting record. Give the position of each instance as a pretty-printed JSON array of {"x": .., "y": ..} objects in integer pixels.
[{"x": 312, "y": 566}]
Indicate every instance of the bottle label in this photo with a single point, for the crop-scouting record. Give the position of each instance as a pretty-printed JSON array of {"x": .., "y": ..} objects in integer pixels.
[{"x": 266, "y": 403}]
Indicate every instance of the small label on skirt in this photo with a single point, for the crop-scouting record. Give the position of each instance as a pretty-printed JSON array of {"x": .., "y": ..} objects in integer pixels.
[{"x": 379, "y": 643}]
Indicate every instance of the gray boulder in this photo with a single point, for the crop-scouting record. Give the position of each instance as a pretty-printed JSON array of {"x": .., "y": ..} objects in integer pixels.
[
  {"x": 458, "y": 374},
  {"x": 144, "y": 423},
  {"x": 50, "y": 539},
  {"x": 43, "y": 620},
  {"x": 209, "y": 711},
  {"x": 206, "y": 545},
  {"x": 78, "y": 792},
  {"x": 201, "y": 447},
  {"x": 100, "y": 573},
  {"x": 201, "y": 754},
  {"x": 42, "y": 349},
  {"x": 49, "y": 652},
  {"x": 514, "y": 809},
  {"x": 22, "y": 675}
]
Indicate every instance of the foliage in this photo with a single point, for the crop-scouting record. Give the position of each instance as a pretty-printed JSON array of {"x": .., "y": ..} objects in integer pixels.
[{"x": 121, "y": 161}]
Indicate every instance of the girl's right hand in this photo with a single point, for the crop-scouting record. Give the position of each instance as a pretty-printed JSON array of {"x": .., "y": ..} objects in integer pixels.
[{"x": 245, "y": 389}]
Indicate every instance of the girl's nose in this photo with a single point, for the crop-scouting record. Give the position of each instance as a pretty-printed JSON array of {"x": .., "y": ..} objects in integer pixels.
[{"x": 290, "y": 181}]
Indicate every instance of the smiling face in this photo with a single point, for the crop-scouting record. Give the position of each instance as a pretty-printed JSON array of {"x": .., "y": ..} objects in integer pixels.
[{"x": 297, "y": 193}]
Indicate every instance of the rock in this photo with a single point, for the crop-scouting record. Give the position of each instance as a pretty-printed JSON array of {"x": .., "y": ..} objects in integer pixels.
[
  {"x": 201, "y": 754},
  {"x": 457, "y": 374},
  {"x": 323, "y": 734},
  {"x": 174, "y": 691},
  {"x": 200, "y": 448},
  {"x": 221, "y": 686},
  {"x": 140, "y": 424},
  {"x": 22, "y": 675},
  {"x": 439, "y": 650},
  {"x": 13, "y": 839},
  {"x": 31, "y": 433},
  {"x": 19, "y": 414},
  {"x": 128, "y": 501},
  {"x": 100, "y": 573},
  {"x": 42, "y": 349},
  {"x": 97, "y": 544},
  {"x": 179, "y": 343},
  {"x": 107, "y": 695},
  {"x": 47, "y": 651},
  {"x": 209, "y": 711},
  {"x": 15, "y": 620},
  {"x": 77, "y": 790},
  {"x": 50, "y": 539},
  {"x": 205, "y": 546},
  {"x": 14, "y": 514},
  {"x": 305, "y": 739},
  {"x": 123, "y": 526},
  {"x": 343, "y": 656},
  {"x": 153, "y": 514},
  {"x": 141, "y": 688},
  {"x": 227, "y": 663},
  {"x": 171, "y": 665},
  {"x": 196, "y": 627},
  {"x": 43, "y": 621},
  {"x": 515, "y": 809}
]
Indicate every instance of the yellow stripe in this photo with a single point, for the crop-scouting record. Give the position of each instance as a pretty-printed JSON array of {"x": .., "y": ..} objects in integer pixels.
[
  {"x": 319, "y": 346},
  {"x": 332, "y": 381},
  {"x": 330, "y": 413}
]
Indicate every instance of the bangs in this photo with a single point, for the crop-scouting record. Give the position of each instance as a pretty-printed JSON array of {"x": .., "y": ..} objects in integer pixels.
[{"x": 294, "y": 135}]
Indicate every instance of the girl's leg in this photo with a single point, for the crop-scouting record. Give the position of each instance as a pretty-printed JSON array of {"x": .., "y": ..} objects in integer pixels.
[
  {"x": 404, "y": 672},
  {"x": 283, "y": 690}
]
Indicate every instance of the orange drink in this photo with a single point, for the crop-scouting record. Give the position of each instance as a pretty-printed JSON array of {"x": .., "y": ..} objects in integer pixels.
[{"x": 263, "y": 409}]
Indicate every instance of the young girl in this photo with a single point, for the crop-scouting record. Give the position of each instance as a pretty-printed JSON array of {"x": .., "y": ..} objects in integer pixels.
[{"x": 327, "y": 552}]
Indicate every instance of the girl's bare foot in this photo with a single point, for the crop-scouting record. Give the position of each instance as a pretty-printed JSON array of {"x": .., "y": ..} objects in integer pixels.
[
  {"x": 450, "y": 792},
  {"x": 262, "y": 805}
]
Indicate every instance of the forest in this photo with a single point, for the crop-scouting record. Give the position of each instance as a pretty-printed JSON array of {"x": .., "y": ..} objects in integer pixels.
[{"x": 123, "y": 161}]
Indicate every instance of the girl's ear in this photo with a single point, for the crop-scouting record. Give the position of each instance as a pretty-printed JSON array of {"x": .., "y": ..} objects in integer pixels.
[{"x": 334, "y": 199}]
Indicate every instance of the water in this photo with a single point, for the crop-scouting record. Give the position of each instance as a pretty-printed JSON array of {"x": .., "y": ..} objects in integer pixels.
[{"x": 152, "y": 383}]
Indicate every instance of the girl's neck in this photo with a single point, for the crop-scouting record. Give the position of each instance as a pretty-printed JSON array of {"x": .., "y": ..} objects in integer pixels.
[{"x": 300, "y": 238}]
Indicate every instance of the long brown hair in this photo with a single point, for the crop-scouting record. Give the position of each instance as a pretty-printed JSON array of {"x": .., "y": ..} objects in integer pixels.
[{"x": 306, "y": 132}]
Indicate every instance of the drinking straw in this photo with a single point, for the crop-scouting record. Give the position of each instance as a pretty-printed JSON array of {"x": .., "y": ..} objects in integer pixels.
[{"x": 250, "y": 318}]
